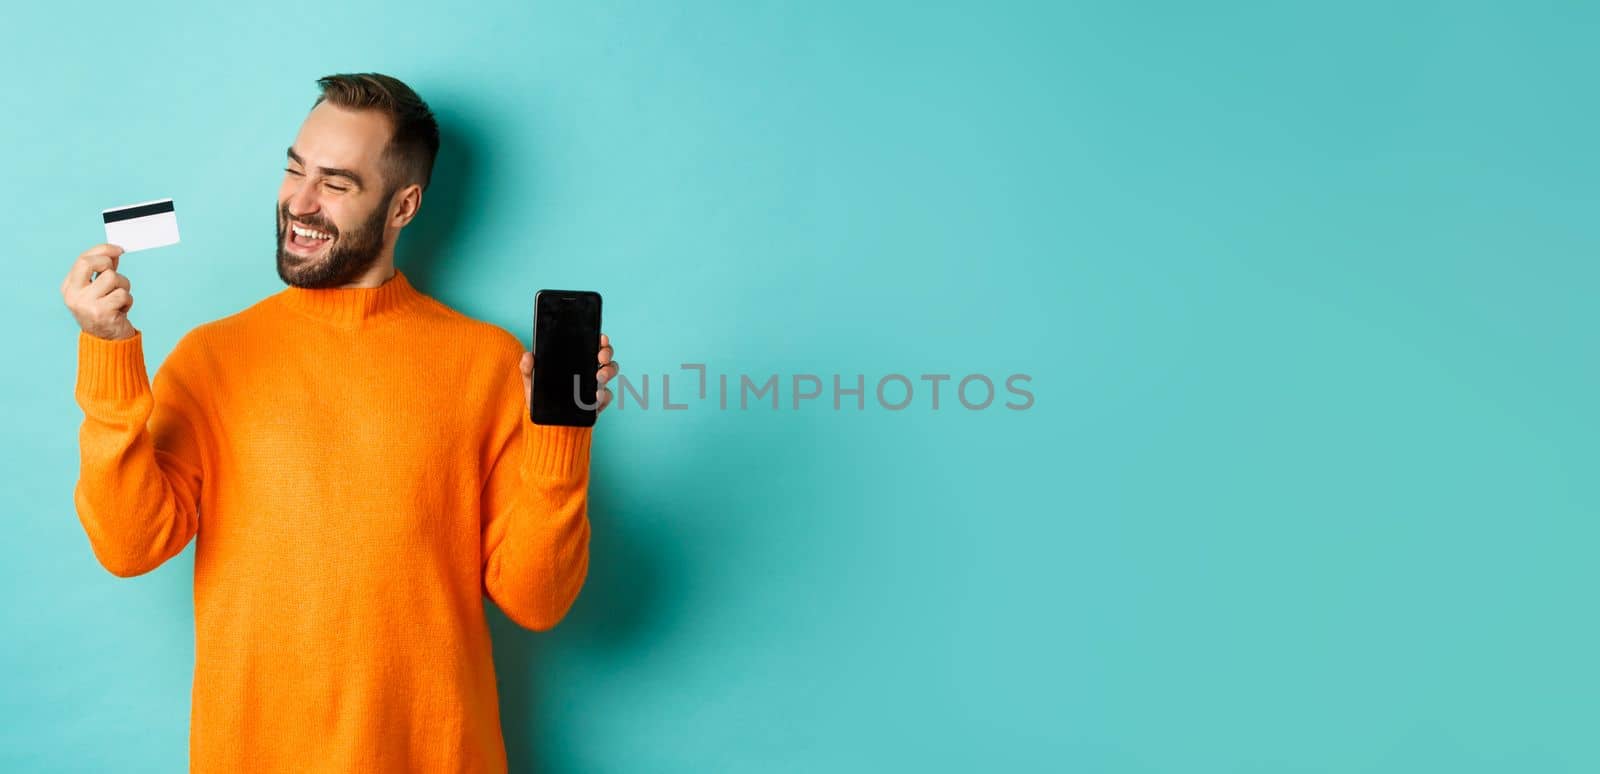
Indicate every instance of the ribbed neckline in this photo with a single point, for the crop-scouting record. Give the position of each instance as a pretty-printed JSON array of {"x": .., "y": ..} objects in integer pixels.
[{"x": 353, "y": 307}]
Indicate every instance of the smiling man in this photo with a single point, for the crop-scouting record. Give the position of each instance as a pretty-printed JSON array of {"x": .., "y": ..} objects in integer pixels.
[
  {"x": 355, "y": 463},
  {"x": 371, "y": 145}
]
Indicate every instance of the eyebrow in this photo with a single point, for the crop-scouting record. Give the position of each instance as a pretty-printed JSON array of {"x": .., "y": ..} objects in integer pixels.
[{"x": 330, "y": 171}]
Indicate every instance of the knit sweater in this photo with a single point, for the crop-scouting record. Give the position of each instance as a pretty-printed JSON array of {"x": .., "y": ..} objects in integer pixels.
[{"x": 357, "y": 469}]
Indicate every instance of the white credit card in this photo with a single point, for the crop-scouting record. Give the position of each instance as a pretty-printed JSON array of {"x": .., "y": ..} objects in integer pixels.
[{"x": 142, "y": 226}]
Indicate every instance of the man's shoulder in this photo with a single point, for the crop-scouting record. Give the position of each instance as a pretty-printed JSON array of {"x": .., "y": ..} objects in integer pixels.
[
  {"x": 221, "y": 328},
  {"x": 462, "y": 327}
]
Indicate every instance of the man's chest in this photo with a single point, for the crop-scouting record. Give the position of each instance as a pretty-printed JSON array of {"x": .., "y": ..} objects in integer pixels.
[{"x": 385, "y": 448}]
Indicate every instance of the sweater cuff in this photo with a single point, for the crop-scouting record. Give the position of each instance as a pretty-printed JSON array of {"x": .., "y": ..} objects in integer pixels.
[
  {"x": 556, "y": 451},
  {"x": 110, "y": 368}
]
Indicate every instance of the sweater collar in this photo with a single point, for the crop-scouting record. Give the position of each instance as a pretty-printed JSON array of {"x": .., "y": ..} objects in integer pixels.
[{"x": 353, "y": 307}]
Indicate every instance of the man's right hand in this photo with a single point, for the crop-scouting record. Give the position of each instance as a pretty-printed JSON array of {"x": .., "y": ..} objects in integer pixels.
[{"x": 99, "y": 302}]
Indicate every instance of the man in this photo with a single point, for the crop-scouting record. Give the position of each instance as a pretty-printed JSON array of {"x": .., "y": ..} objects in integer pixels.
[{"x": 354, "y": 463}]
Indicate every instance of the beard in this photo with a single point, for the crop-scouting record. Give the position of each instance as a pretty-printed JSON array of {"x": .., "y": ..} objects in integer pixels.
[{"x": 349, "y": 255}]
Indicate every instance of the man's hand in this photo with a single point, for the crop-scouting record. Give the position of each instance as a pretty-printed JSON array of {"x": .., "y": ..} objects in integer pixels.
[
  {"x": 608, "y": 371},
  {"x": 100, "y": 303}
]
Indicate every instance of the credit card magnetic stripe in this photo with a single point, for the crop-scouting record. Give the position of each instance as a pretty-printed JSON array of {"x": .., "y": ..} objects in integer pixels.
[{"x": 139, "y": 211}]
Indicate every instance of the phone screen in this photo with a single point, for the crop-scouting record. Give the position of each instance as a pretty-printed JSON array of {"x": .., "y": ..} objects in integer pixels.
[{"x": 566, "y": 351}]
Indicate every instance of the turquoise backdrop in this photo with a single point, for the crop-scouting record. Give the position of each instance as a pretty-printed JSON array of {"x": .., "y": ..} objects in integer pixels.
[{"x": 1306, "y": 293}]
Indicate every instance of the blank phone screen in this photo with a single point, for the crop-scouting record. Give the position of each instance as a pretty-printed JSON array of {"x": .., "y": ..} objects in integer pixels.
[{"x": 566, "y": 351}]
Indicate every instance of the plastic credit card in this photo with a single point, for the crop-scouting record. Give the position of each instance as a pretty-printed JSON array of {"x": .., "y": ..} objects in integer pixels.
[{"x": 142, "y": 226}]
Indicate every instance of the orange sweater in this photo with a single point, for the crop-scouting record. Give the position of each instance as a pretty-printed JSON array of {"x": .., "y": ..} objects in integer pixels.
[{"x": 358, "y": 469}]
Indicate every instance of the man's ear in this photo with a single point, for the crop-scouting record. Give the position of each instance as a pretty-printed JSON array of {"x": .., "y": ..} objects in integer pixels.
[{"x": 407, "y": 201}]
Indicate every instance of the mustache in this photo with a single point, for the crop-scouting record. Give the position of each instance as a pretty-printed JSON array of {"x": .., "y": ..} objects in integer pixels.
[{"x": 316, "y": 223}]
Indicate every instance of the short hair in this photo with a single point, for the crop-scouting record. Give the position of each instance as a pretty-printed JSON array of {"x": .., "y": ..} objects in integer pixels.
[{"x": 414, "y": 143}]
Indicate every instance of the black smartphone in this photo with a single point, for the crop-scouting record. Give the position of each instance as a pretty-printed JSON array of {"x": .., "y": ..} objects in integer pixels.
[{"x": 566, "y": 356}]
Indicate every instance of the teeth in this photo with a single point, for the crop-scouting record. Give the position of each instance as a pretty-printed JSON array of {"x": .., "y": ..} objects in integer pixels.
[{"x": 308, "y": 233}]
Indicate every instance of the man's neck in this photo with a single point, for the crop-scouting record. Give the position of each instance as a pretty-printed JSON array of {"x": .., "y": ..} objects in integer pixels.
[{"x": 381, "y": 271}]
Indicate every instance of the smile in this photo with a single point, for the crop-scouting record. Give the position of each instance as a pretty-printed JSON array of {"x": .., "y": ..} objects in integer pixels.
[
  {"x": 304, "y": 241},
  {"x": 309, "y": 233}
]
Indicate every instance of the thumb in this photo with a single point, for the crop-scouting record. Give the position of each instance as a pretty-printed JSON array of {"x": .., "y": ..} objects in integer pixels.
[{"x": 526, "y": 366}]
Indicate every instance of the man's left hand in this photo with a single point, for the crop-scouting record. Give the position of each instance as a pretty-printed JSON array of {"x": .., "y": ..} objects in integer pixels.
[{"x": 607, "y": 371}]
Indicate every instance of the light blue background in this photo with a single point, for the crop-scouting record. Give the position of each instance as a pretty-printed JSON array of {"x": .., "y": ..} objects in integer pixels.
[{"x": 1306, "y": 292}]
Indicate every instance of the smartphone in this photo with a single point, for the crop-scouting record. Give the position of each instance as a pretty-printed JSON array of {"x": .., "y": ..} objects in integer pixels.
[{"x": 566, "y": 356}]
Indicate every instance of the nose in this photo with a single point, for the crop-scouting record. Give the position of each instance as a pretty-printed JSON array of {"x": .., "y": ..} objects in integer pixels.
[{"x": 303, "y": 200}]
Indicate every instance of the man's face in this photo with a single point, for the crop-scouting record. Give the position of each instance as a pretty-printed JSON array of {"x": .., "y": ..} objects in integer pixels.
[{"x": 334, "y": 188}]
